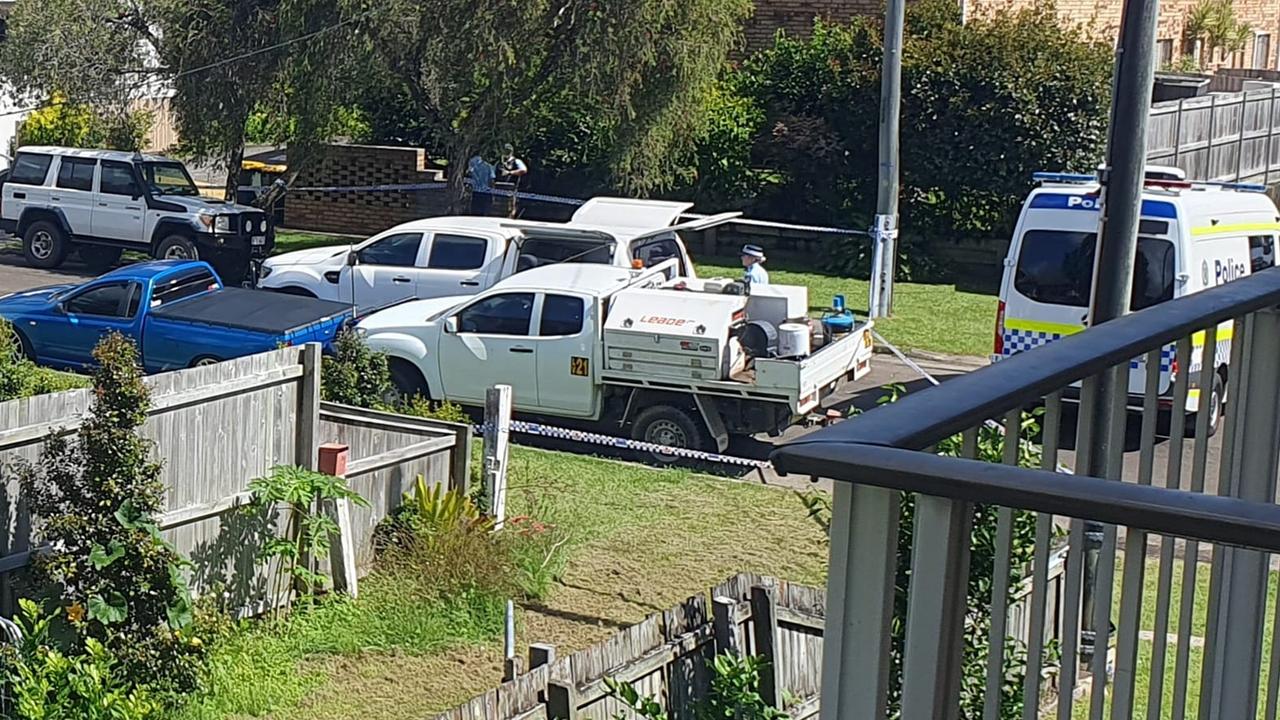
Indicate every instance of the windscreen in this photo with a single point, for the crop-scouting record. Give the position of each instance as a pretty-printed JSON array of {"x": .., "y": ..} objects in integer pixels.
[{"x": 1055, "y": 267}]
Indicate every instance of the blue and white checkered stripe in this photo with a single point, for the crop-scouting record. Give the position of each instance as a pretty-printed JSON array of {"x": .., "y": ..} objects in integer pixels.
[
  {"x": 1223, "y": 352},
  {"x": 594, "y": 438},
  {"x": 1017, "y": 340}
]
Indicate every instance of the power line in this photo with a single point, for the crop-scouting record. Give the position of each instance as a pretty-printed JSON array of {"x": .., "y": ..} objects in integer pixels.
[{"x": 210, "y": 66}]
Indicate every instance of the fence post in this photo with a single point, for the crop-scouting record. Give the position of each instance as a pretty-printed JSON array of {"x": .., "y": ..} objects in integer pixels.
[
  {"x": 308, "y": 407},
  {"x": 1177, "y": 133},
  {"x": 497, "y": 439},
  {"x": 342, "y": 549},
  {"x": 1244, "y": 110},
  {"x": 460, "y": 461},
  {"x": 724, "y": 618},
  {"x": 1213, "y": 117},
  {"x": 1271, "y": 132},
  {"x": 764, "y": 617},
  {"x": 562, "y": 700}
]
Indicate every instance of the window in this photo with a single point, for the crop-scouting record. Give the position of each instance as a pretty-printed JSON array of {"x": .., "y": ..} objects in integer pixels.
[
  {"x": 30, "y": 169},
  {"x": 1056, "y": 267},
  {"x": 169, "y": 178},
  {"x": 1164, "y": 53},
  {"x": 1261, "y": 50},
  {"x": 4, "y": 29},
  {"x": 1262, "y": 252},
  {"x": 76, "y": 173},
  {"x": 117, "y": 300},
  {"x": 507, "y": 314},
  {"x": 456, "y": 252},
  {"x": 117, "y": 179},
  {"x": 535, "y": 252},
  {"x": 183, "y": 285},
  {"x": 400, "y": 250},
  {"x": 653, "y": 252},
  {"x": 561, "y": 315}
]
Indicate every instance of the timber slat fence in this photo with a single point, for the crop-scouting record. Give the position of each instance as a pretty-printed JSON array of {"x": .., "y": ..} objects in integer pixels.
[
  {"x": 216, "y": 428},
  {"x": 1220, "y": 136}
]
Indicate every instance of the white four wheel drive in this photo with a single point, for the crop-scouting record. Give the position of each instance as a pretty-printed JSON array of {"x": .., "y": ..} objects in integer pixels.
[
  {"x": 99, "y": 203},
  {"x": 676, "y": 361},
  {"x": 1192, "y": 236},
  {"x": 463, "y": 255}
]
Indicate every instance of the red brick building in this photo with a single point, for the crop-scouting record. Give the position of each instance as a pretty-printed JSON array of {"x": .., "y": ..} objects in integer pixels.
[{"x": 1099, "y": 17}]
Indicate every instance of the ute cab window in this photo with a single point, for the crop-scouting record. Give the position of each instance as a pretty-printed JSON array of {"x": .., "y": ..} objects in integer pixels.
[
  {"x": 181, "y": 286},
  {"x": 399, "y": 250},
  {"x": 506, "y": 314},
  {"x": 116, "y": 300},
  {"x": 536, "y": 252},
  {"x": 1055, "y": 267}
]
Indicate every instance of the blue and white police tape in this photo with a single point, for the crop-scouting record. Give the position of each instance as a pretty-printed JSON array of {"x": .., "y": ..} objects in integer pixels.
[{"x": 593, "y": 438}]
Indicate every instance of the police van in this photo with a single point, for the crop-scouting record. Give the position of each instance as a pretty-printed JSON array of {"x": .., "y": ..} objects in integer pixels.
[{"x": 1191, "y": 236}]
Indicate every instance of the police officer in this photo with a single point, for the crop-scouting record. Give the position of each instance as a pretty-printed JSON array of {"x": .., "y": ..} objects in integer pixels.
[{"x": 754, "y": 273}]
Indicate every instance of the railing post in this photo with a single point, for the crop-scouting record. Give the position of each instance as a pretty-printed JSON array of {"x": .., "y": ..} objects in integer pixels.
[
  {"x": 497, "y": 439},
  {"x": 1235, "y": 655},
  {"x": 860, "y": 589},
  {"x": 936, "y": 609}
]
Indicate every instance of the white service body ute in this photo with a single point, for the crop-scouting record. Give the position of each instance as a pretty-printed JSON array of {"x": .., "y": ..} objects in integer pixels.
[
  {"x": 463, "y": 255},
  {"x": 1191, "y": 237},
  {"x": 664, "y": 358}
]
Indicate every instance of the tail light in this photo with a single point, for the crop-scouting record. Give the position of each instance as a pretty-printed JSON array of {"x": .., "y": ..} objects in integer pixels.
[{"x": 999, "y": 340}]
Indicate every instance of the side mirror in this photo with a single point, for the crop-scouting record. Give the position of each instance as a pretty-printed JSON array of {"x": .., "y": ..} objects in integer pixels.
[
  {"x": 451, "y": 325},
  {"x": 352, "y": 259}
]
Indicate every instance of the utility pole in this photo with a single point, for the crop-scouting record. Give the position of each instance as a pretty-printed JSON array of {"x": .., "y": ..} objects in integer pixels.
[
  {"x": 884, "y": 233},
  {"x": 1122, "y": 182}
]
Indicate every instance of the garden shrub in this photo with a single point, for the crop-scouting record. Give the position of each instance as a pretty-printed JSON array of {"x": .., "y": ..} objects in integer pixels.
[
  {"x": 95, "y": 501},
  {"x": 734, "y": 694},
  {"x": 19, "y": 377},
  {"x": 444, "y": 411},
  {"x": 356, "y": 374},
  {"x": 46, "y": 683}
]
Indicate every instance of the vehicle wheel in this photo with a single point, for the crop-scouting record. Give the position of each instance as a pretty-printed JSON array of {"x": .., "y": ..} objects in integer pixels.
[
  {"x": 44, "y": 244},
  {"x": 1217, "y": 399},
  {"x": 99, "y": 257},
  {"x": 177, "y": 247},
  {"x": 669, "y": 426},
  {"x": 294, "y": 290},
  {"x": 406, "y": 383},
  {"x": 205, "y": 362},
  {"x": 17, "y": 342}
]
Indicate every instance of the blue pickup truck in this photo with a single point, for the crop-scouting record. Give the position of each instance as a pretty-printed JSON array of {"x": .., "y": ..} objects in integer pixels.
[{"x": 177, "y": 311}]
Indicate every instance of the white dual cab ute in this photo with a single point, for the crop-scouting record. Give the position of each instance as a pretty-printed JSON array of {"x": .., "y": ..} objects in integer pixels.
[
  {"x": 1192, "y": 236},
  {"x": 663, "y": 358},
  {"x": 463, "y": 255}
]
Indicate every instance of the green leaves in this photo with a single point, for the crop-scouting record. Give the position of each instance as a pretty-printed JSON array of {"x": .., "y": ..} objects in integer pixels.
[
  {"x": 108, "y": 610},
  {"x": 101, "y": 558}
]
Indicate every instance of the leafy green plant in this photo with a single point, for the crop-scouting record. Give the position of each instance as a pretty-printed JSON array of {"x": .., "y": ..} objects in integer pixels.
[
  {"x": 303, "y": 495},
  {"x": 538, "y": 552},
  {"x": 46, "y": 683},
  {"x": 1216, "y": 24},
  {"x": 734, "y": 693},
  {"x": 356, "y": 374},
  {"x": 436, "y": 509},
  {"x": 445, "y": 411},
  {"x": 96, "y": 501},
  {"x": 81, "y": 125},
  {"x": 19, "y": 377}
]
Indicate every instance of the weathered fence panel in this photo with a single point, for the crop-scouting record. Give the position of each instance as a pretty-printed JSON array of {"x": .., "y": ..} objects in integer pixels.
[
  {"x": 1221, "y": 136},
  {"x": 216, "y": 428}
]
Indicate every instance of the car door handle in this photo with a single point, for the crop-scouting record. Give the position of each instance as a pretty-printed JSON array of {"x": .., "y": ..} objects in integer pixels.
[
  {"x": 400, "y": 280},
  {"x": 469, "y": 283},
  {"x": 132, "y": 207},
  {"x": 103, "y": 205},
  {"x": 19, "y": 196},
  {"x": 526, "y": 351},
  {"x": 55, "y": 198}
]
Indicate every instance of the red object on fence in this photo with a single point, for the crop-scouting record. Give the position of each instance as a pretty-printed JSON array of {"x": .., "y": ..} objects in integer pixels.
[{"x": 333, "y": 459}]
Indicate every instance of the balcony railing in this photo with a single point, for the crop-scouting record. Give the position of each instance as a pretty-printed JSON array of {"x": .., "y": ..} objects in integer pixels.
[{"x": 1144, "y": 635}]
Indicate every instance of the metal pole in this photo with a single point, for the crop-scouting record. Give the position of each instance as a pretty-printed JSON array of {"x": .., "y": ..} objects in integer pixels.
[
  {"x": 1122, "y": 180},
  {"x": 884, "y": 233}
]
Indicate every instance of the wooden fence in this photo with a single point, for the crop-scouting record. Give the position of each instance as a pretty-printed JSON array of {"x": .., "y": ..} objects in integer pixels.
[
  {"x": 215, "y": 429},
  {"x": 666, "y": 657},
  {"x": 1221, "y": 136}
]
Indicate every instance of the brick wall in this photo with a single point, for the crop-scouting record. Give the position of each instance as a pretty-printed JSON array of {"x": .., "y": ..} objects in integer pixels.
[
  {"x": 364, "y": 212},
  {"x": 1099, "y": 17}
]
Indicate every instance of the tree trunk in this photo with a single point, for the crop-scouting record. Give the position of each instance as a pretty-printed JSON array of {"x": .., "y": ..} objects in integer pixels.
[{"x": 460, "y": 152}]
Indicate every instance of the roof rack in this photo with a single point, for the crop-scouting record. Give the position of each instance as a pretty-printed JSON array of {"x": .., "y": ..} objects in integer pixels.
[{"x": 1161, "y": 182}]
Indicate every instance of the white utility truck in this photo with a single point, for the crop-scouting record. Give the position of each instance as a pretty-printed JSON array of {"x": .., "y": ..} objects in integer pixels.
[
  {"x": 1192, "y": 236},
  {"x": 672, "y": 360},
  {"x": 462, "y": 255}
]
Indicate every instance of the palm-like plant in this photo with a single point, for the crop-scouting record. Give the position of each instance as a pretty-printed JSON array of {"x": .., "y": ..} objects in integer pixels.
[{"x": 1214, "y": 22}]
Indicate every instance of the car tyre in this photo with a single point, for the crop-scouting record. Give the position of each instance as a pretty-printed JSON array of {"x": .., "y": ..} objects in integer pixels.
[
  {"x": 18, "y": 342},
  {"x": 1217, "y": 403},
  {"x": 99, "y": 257},
  {"x": 406, "y": 383},
  {"x": 177, "y": 247},
  {"x": 205, "y": 361},
  {"x": 44, "y": 244},
  {"x": 670, "y": 426}
]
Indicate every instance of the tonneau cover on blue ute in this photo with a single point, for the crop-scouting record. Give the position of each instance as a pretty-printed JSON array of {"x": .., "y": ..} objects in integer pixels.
[{"x": 254, "y": 310}]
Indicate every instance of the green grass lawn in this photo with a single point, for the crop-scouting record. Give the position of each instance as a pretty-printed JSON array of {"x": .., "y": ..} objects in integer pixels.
[
  {"x": 934, "y": 318},
  {"x": 641, "y": 540}
]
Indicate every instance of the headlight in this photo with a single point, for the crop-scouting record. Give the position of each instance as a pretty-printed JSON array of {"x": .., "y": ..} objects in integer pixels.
[{"x": 222, "y": 223}]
